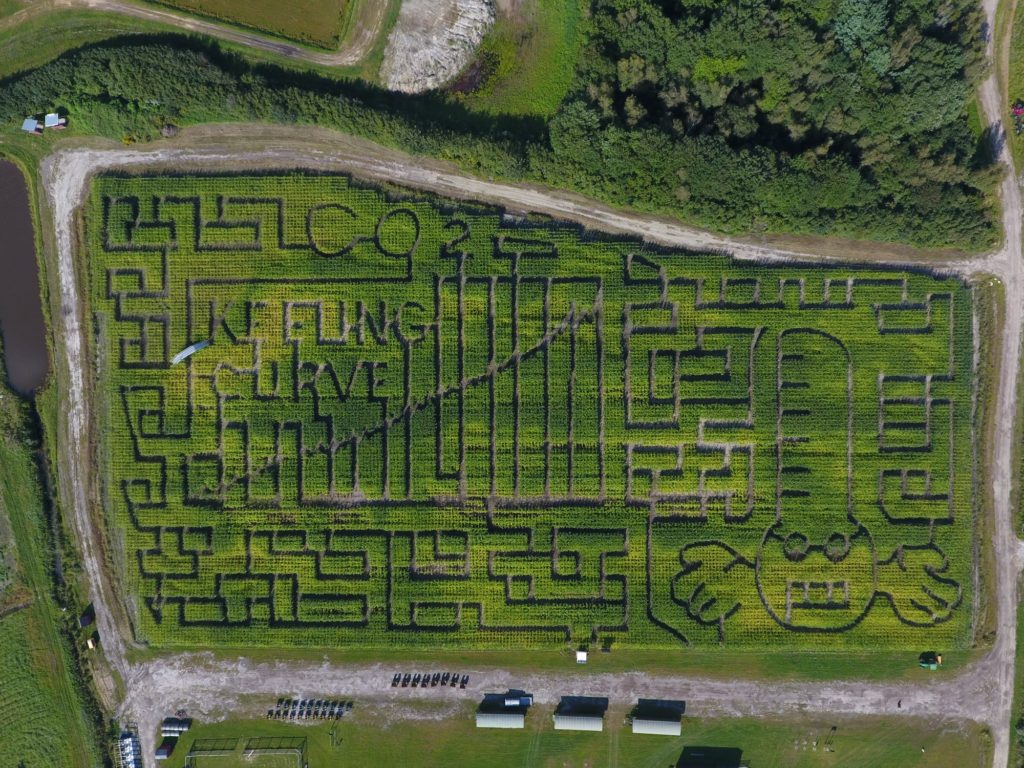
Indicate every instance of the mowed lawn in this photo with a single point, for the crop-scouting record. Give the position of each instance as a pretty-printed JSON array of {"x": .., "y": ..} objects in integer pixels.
[
  {"x": 364, "y": 739},
  {"x": 1015, "y": 75},
  {"x": 309, "y": 21}
]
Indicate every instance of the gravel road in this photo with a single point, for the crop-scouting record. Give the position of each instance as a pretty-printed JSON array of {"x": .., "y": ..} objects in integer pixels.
[{"x": 208, "y": 686}]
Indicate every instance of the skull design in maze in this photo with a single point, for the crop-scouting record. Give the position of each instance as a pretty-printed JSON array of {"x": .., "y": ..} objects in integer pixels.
[
  {"x": 820, "y": 565},
  {"x": 816, "y": 565}
]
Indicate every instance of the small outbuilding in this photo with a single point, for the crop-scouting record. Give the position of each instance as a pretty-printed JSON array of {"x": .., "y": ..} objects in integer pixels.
[
  {"x": 53, "y": 120},
  {"x": 580, "y": 713},
  {"x": 165, "y": 749},
  {"x": 581, "y": 657},
  {"x": 658, "y": 717},
  {"x": 511, "y": 719},
  {"x": 503, "y": 710},
  {"x": 174, "y": 726},
  {"x": 31, "y": 125}
]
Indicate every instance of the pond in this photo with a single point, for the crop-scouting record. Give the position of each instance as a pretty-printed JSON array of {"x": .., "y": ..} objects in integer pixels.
[{"x": 21, "y": 311}]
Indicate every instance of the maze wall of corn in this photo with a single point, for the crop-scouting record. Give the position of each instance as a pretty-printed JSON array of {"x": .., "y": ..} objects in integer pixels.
[{"x": 421, "y": 422}]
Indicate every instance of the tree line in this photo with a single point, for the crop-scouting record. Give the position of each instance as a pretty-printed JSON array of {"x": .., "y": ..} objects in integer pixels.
[{"x": 841, "y": 117}]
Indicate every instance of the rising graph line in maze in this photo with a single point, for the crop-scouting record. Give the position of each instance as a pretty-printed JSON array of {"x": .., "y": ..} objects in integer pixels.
[{"x": 425, "y": 423}]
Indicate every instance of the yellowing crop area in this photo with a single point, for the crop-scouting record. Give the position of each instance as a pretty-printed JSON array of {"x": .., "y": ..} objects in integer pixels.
[
  {"x": 423, "y": 423},
  {"x": 309, "y": 21}
]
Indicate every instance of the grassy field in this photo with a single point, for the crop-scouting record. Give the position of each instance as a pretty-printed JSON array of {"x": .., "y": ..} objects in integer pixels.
[
  {"x": 318, "y": 22},
  {"x": 369, "y": 468},
  {"x": 1015, "y": 76},
  {"x": 42, "y": 714},
  {"x": 528, "y": 58},
  {"x": 764, "y": 743},
  {"x": 9, "y": 7},
  {"x": 714, "y": 663},
  {"x": 49, "y": 32}
]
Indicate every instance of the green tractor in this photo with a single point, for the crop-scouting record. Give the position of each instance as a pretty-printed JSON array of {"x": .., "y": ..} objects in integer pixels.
[{"x": 929, "y": 660}]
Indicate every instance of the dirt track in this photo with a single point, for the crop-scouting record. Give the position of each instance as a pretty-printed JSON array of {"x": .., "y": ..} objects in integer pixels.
[
  {"x": 982, "y": 692},
  {"x": 352, "y": 51}
]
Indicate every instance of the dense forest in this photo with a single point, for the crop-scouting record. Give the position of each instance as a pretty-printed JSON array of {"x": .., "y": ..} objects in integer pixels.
[{"x": 843, "y": 117}]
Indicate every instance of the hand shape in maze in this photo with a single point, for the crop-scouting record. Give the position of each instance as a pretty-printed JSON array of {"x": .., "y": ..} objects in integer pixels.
[
  {"x": 711, "y": 582},
  {"x": 913, "y": 579}
]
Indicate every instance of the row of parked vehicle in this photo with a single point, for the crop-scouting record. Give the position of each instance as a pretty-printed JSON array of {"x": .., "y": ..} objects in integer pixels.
[
  {"x": 309, "y": 709},
  {"x": 429, "y": 679}
]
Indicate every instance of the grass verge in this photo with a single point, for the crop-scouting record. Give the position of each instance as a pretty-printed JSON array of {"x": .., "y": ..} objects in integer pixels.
[
  {"x": 46, "y": 721},
  {"x": 49, "y": 32},
  {"x": 1013, "y": 79},
  {"x": 528, "y": 58},
  {"x": 375, "y": 739}
]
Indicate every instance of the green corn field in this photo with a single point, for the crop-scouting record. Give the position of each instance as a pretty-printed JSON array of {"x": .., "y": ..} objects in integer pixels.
[{"x": 421, "y": 422}]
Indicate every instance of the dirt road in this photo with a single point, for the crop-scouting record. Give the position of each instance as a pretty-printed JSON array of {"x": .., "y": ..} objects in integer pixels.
[
  {"x": 354, "y": 48},
  {"x": 998, "y": 666}
]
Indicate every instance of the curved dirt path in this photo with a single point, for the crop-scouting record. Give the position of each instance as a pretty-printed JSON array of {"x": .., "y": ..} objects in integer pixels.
[{"x": 354, "y": 48}]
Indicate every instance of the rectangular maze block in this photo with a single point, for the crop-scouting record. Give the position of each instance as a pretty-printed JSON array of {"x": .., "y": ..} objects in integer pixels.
[{"x": 415, "y": 423}]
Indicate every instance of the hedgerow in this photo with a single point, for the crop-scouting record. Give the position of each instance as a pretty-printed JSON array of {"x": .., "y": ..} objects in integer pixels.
[
  {"x": 844, "y": 171},
  {"x": 424, "y": 423}
]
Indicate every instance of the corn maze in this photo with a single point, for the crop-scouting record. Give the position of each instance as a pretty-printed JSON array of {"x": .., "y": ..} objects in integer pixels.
[{"x": 427, "y": 423}]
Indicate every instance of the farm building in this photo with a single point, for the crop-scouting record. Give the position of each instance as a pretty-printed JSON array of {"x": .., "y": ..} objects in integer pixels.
[
  {"x": 580, "y": 713},
  {"x": 657, "y": 727},
  {"x": 514, "y": 718},
  {"x": 166, "y": 748},
  {"x": 658, "y": 717},
  {"x": 173, "y": 726},
  {"x": 503, "y": 710}
]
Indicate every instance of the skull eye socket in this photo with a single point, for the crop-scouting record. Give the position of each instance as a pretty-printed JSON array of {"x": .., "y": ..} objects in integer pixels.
[
  {"x": 837, "y": 547},
  {"x": 795, "y": 546}
]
